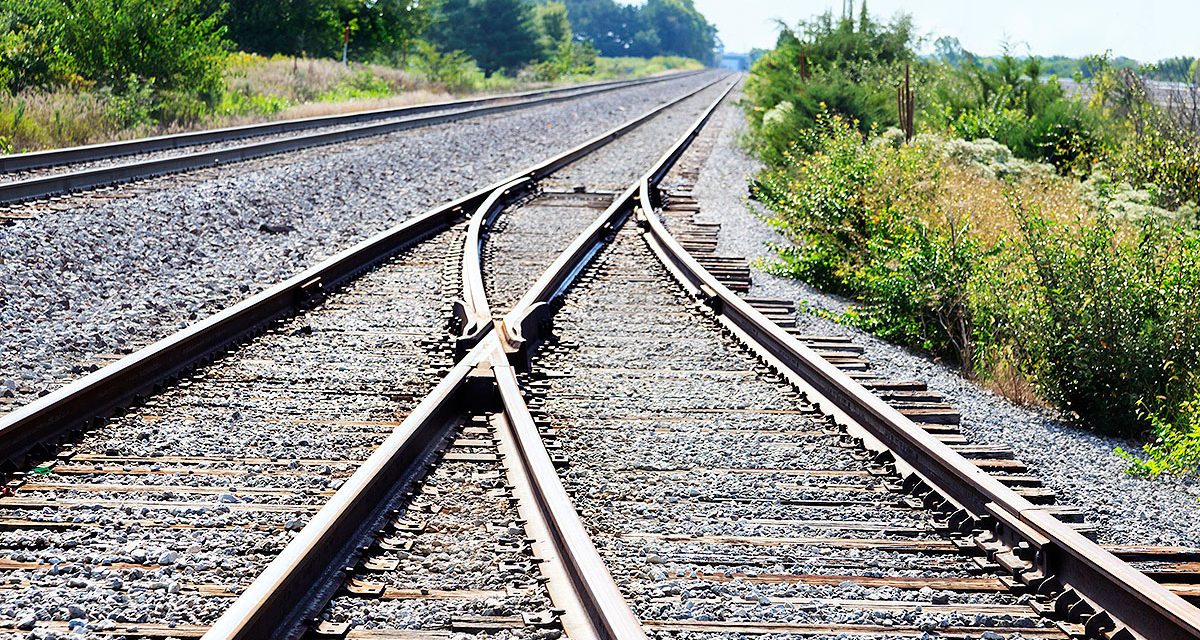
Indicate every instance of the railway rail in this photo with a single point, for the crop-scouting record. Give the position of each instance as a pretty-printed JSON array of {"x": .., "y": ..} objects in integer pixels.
[
  {"x": 491, "y": 486},
  {"x": 25, "y": 177}
]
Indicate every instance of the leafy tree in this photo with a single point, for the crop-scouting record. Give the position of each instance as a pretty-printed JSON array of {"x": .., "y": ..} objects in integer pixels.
[
  {"x": 553, "y": 25},
  {"x": 842, "y": 65},
  {"x": 388, "y": 30},
  {"x": 498, "y": 34},
  {"x": 659, "y": 27},
  {"x": 949, "y": 50},
  {"x": 380, "y": 29},
  {"x": 604, "y": 23},
  {"x": 1178, "y": 69},
  {"x": 679, "y": 29},
  {"x": 292, "y": 27}
]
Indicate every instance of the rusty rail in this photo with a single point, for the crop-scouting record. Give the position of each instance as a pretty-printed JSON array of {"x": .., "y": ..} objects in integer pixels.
[
  {"x": 594, "y": 608},
  {"x": 1059, "y": 559}
]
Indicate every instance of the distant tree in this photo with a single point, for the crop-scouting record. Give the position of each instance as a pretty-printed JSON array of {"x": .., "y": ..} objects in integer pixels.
[
  {"x": 292, "y": 27},
  {"x": 681, "y": 29},
  {"x": 604, "y": 23},
  {"x": 389, "y": 29},
  {"x": 1176, "y": 69},
  {"x": 381, "y": 30},
  {"x": 553, "y": 26},
  {"x": 498, "y": 34},
  {"x": 949, "y": 50},
  {"x": 830, "y": 41}
]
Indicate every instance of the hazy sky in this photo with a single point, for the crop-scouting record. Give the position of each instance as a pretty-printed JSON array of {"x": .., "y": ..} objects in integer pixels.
[{"x": 1146, "y": 30}]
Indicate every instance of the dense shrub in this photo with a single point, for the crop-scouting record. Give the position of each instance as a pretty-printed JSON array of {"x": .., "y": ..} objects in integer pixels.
[
  {"x": 1014, "y": 104},
  {"x": 948, "y": 246},
  {"x": 844, "y": 65},
  {"x": 1096, "y": 309},
  {"x": 168, "y": 45},
  {"x": 865, "y": 221}
]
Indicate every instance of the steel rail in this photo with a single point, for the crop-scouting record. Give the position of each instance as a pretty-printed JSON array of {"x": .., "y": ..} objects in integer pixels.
[
  {"x": 39, "y": 187},
  {"x": 473, "y": 312},
  {"x": 518, "y": 329},
  {"x": 108, "y": 150},
  {"x": 1060, "y": 553},
  {"x": 284, "y": 594},
  {"x": 100, "y": 393},
  {"x": 598, "y": 611}
]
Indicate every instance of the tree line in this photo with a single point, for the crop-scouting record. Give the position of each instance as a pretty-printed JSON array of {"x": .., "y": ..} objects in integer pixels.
[
  {"x": 497, "y": 34},
  {"x": 179, "y": 44}
]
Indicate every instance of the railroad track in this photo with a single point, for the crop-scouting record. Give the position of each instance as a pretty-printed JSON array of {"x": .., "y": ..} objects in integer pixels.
[
  {"x": 551, "y": 420},
  {"x": 41, "y": 174}
]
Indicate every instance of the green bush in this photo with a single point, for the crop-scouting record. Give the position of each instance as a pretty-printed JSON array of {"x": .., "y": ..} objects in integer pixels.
[
  {"x": 1090, "y": 309},
  {"x": 168, "y": 44},
  {"x": 842, "y": 65},
  {"x": 1175, "y": 447},
  {"x": 30, "y": 58},
  {"x": 1097, "y": 309},
  {"x": 1013, "y": 104},
  {"x": 453, "y": 69},
  {"x": 861, "y": 216}
]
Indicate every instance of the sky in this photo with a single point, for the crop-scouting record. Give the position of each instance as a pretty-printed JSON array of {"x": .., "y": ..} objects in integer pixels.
[{"x": 1146, "y": 30}]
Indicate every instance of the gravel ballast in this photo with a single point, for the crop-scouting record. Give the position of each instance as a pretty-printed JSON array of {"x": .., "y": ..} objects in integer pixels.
[
  {"x": 97, "y": 280},
  {"x": 1080, "y": 466}
]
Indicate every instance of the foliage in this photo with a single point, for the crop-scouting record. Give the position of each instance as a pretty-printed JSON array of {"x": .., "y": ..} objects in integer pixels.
[
  {"x": 1012, "y": 102},
  {"x": 975, "y": 240},
  {"x": 1095, "y": 309},
  {"x": 168, "y": 45},
  {"x": 384, "y": 30},
  {"x": 1158, "y": 145},
  {"x": 864, "y": 220},
  {"x": 948, "y": 247},
  {"x": 845, "y": 65},
  {"x": 497, "y": 34},
  {"x": 451, "y": 69},
  {"x": 659, "y": 27},
  {"x": 1177, "y": 69},
  {"x": 1175, "y": 448}
]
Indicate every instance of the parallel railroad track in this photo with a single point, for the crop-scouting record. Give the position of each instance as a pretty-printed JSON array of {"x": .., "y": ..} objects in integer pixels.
[
  {"x": 38, "y": 175},
  {"x": 619, "y": 447}
]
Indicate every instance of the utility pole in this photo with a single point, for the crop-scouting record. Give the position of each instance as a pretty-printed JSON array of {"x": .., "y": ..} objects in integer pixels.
[{"x": 345, "y": 44}]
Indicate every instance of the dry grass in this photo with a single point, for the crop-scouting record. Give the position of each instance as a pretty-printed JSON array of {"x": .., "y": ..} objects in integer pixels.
[
  {"x": 295, "y": 80},
  {"x": 967, "y": 193},
  {"x": 1003, "y": 377},
  {"x": 39, "y": 120}
]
